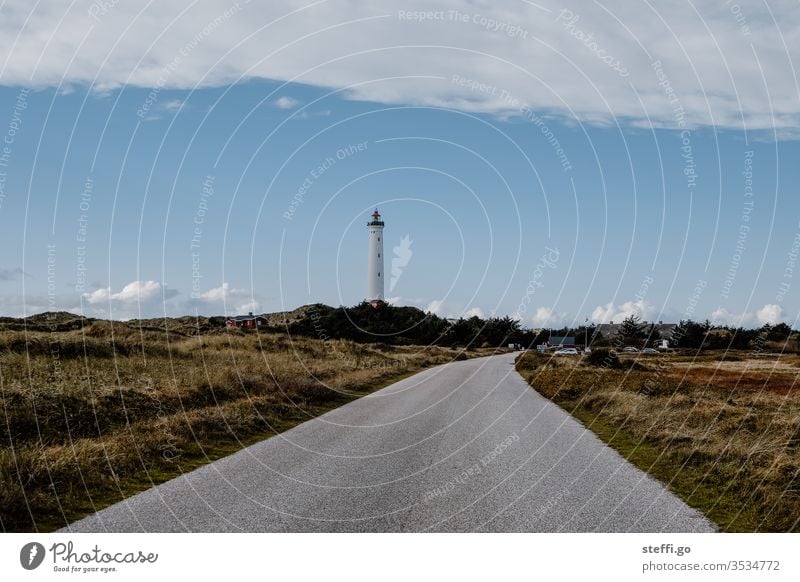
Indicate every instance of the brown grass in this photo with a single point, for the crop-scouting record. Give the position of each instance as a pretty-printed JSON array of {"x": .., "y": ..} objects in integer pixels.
[
  {"x": 779, "y": 375},
  {"x": 90, "y": 416},
  {"x": 725, "y": 435}
]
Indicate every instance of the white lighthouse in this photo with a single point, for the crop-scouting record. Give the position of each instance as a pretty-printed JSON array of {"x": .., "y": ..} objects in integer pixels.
[{"x": 375, "y": 260}]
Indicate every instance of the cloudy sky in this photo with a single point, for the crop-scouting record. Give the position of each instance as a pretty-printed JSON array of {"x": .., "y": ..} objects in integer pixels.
[{"x": 548, "y": 160}]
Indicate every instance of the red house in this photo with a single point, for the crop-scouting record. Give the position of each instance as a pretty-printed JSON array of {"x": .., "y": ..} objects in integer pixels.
[{"x": 248, "y": 321}]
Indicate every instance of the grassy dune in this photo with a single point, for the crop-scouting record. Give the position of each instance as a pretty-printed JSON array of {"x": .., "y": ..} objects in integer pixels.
[
  {"x": 722, "y": 431},
  {"x": 93, "y": 413}
]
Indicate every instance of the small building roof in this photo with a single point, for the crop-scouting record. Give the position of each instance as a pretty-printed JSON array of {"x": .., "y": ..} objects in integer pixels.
[{"x": 245, "y": 317}]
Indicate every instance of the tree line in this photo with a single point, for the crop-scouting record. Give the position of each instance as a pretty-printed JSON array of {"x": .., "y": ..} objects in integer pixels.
[
  {"x": 699, "y": 335},
  {"x": 409, "y": 325}
]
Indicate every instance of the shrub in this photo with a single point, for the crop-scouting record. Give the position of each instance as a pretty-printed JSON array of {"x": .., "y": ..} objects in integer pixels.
[{"x": 603, "y": 358}]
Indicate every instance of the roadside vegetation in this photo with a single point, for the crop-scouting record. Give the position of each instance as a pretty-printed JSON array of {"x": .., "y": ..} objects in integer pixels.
[
  {"x": 93, "y": 411},
  {"x": 405, "y": 326},
  {"x": 719, "y": 428}
]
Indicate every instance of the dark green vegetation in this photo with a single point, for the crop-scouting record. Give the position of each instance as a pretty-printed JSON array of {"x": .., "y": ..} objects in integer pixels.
[
  {"x": 405, "y": 326},
  {"x": 721, "y": 429},
  {"x": 93, "y": 411},
  {"x": 686, "y": 334}
]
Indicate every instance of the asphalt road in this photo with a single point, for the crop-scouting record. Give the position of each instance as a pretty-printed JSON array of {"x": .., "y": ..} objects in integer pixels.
[{"x": 468, "y": 446}]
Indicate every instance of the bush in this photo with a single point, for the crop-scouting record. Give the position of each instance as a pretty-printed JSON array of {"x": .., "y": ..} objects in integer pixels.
[
  {"x": 603, "y": 358},
  {"x": 530, "y": 360}
]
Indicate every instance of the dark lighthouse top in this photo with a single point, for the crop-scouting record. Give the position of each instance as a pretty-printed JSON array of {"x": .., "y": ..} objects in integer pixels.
[{"x": 376, "y": 219}]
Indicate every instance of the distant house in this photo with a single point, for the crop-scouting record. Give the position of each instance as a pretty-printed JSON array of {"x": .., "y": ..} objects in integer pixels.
[
  {"x": 248, "y": 321},
  {"x": 566, "y": 341}
]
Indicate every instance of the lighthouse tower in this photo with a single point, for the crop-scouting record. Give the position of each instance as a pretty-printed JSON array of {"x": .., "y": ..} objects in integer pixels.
[{"x": 375, "y": 260}]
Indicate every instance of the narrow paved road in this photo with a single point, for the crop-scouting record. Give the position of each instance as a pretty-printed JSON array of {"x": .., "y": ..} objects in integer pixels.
[{"x": 463, "y": 447}]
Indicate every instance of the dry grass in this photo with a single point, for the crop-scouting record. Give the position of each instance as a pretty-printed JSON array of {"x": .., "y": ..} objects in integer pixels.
[
  {"x": 90, "y": 416},
  {"x": 724, "y": 434}
]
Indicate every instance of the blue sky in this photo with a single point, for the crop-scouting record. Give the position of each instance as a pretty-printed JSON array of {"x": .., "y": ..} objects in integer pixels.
[{"x": 273, "y": 181}]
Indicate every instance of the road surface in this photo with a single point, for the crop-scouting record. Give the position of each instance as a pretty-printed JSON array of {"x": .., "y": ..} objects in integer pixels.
[{"x": 467, "y": 446}]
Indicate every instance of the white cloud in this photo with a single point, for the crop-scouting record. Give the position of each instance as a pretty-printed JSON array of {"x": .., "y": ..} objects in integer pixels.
[
  {"x": 603, "y": 313},
  {"x": 721, "y": 73},
  {"x": 474, "y": 312},
  {"x": 286, "y": 102},
  {"x": 616, "y": 313},
  {"x": 434, "y": 307},
  {"x": 770, "y": 313},
  {"x": 306, "y": 114},
  {"x": 134, "y": 300},
  {"x": 548, "y": 317},
  {"x": 98, "y": 296},
  {"x": 173, "y": 104},
  {"x": 230, "y": 299},
  {"x": 134, "y": 292},
  {"x": 215, "y": 294},
  {"x": 138, "y": 291},
  {"x": 722, "y": 316}
]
